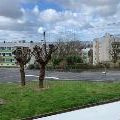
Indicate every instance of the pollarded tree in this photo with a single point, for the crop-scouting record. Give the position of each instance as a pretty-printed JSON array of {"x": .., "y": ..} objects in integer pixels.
[
  {"x": 22, "y": 56},
  {"x": 42, "y": 55}
]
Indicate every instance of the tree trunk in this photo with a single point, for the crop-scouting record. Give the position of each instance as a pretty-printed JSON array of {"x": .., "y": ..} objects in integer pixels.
[
  {"x": 42, "y": 76},
  {"x": 22, "y": 72}
]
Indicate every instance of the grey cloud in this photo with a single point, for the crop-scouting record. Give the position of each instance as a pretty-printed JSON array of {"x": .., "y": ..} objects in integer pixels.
[
  {"x": 101, "y": 7},
  {"x": 20, "y": 27},
  {"x": 10, "y": 8},
  {"x": 8, "y": 35},
  {"x": 87, "y": 26},
  {"x": 71, "y": 3},
  {"x": 105, "y": 10},
  {"x": 99, "y": 2}
]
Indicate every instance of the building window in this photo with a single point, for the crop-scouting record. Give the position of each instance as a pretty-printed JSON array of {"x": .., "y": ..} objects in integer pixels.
[
  {"x": 8, "y": 48},
  {"x": 11, "y": 60},
  {"x": 8, "y": 60},
  {"x": 8, "y": 54},
  {"x": 3, "y": 54},
  {"x": 2, "y": 48}
]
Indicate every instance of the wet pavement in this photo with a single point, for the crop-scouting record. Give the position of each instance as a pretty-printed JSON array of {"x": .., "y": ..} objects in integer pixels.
[{"x": 13, "y": 75}]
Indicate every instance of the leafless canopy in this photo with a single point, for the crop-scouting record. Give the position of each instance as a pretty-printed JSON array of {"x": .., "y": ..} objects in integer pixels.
[
  {"x": 115, "y": 52},
  {"x": 43, "y": 54},
  {"x": 22, "y": 55}
]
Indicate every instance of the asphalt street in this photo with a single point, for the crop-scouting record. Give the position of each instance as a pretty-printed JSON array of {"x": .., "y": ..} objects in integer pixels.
[{"x": 13, "y": 75}]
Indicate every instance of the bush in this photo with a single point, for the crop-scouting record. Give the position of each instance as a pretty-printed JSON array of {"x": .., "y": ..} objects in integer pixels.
[
  {"x": 36, "y": 66},
  {"x": 56, "y": 61},
  {"x": 79, "y": 66},
  {"x": 31, "y": 66},
  {"x": 102, "y": 65},
  {"x": 73, "y": 59}
]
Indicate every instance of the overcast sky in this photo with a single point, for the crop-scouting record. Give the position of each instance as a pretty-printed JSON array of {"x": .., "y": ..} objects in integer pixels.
[{"x": 88, "y": 19}]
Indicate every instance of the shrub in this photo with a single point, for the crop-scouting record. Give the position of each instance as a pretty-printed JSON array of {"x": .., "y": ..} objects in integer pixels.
[
  {"x": 31, "y": 66},
  {"x": 73, "y": 59},
  {"x": 36, "y": 66},
  {"x": 56, "y": 61}
]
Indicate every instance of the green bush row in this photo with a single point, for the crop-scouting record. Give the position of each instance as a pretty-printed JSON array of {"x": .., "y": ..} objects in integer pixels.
[{"x": 67, "y": 67}]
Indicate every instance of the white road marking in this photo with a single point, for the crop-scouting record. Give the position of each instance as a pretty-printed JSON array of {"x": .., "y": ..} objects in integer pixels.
[
  {"x": 104, "y": 72},
  {"x": 9, "y": 82},
  {"x": 55, "y": 78},
  {"x": 52, "y": 78}
]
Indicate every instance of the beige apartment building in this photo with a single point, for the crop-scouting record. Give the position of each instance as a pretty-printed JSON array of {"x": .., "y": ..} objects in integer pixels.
[{"x": 102, "y": 47}]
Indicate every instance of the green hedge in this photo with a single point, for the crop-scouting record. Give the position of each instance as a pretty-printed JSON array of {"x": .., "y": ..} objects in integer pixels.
[
  {"x": 73, "y": 60},
  {"x": 77, "y": 66}
]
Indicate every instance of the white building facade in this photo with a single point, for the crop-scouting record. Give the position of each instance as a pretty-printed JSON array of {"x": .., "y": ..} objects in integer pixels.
[{"x": 85, "y": 55}]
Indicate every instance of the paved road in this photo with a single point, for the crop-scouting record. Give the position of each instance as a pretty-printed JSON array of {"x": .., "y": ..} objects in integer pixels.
[{"x": 13, "y": 75}]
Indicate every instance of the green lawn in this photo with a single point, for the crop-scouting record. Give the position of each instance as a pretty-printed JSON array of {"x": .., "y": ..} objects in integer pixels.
[{"x": 31, "y": 101}]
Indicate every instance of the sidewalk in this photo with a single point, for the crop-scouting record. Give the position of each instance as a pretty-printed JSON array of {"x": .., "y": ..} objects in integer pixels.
[{"x": 109, "y": 111}]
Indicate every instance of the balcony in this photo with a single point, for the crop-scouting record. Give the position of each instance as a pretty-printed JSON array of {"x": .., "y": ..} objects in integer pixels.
[{"x": 5, "y": 51}]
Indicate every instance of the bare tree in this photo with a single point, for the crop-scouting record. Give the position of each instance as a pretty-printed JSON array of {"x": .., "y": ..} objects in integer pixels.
[
  {"x": 43, "y": 55},
  {"x": 90, "y": 55},
  {"x": 115, "y": 51},
  {"x": 68, "y": 48},
  {"x": 22, "y": 56}
]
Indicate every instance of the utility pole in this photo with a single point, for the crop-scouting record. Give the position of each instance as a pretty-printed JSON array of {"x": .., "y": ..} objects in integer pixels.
[{"x": 44, "y": 39}]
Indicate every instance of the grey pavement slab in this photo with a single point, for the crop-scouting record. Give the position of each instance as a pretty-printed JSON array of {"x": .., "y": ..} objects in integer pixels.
[{"x": 109, "y": 111}]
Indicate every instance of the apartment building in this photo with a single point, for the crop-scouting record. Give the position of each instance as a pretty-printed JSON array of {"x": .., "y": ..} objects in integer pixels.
[
  {"x": 95, "y": 51},
  {"x": 102, "y": 47},
  {"x": 85, "y": 55},
  {"x": 6, "y": 49},
  {"x": 6, "y": 56}
]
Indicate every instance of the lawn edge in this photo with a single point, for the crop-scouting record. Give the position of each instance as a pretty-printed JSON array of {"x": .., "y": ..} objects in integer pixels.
[{"x": 72, "y": 109}]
